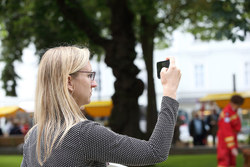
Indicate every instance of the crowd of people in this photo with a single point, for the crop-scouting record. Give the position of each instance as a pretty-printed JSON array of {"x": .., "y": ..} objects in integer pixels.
[
  {"x": 13, "y": 126},
  {"x": 200, "y": 127},
  {"x": 224, "y": 125}
]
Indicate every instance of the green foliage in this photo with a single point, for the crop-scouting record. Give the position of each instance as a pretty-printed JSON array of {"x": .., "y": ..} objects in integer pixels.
[
  {"x": 38, "y": 22},
  {"x": 45, "y": 24},
  {"x": 3, "y": 32},
  {"x": 221, "y": 20}
]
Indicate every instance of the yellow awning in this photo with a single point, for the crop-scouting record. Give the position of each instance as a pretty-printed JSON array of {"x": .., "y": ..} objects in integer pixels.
[
  {"x": 99, "y": 108},
  {"x": 223, "y": 99},
  {"x": 9, "y": 111}
]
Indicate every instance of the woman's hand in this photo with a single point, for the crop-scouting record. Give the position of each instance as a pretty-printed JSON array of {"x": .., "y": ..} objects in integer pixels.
[{"x": 170, "y": 78}]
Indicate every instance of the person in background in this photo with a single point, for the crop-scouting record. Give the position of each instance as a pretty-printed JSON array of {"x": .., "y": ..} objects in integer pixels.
[
  {"x": 229, "y": 126},
  {"x": 7, "y": 126},
  {"x": 25, "y": 126},
  {"x": 197, "y": 129},
  {"x": 15, "y": 130},
  {"x": 1, "y": 132},
  {"x": 176, "y": 137},
  {"x": 212, "y": 121}
]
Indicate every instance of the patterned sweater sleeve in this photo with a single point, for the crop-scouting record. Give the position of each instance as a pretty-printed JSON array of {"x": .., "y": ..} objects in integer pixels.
[{"x": 103, "y": 145}]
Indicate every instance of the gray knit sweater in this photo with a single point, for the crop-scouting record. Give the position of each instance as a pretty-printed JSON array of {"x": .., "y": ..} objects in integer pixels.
[{"x": 89, "y": 144}]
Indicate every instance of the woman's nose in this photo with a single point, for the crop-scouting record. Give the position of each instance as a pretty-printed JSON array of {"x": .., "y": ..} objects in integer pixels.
[{"x": 93, "y": 84}]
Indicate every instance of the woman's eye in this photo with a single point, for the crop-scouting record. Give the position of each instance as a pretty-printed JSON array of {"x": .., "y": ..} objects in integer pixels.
[{"x": 90, "y": 75}]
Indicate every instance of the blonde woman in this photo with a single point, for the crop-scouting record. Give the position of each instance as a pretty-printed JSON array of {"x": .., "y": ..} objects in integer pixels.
[{"x": 62, "y": 136}]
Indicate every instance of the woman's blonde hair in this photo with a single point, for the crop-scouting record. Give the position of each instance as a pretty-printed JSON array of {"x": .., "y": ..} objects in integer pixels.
[{"x": 55, "y": 108}]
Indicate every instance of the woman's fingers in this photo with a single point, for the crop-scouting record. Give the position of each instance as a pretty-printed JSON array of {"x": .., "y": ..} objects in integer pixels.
[
  {"x": 163, "y": 71},
  {"x": 170, "y": 78},
  {"x": 172, "y": 62}
]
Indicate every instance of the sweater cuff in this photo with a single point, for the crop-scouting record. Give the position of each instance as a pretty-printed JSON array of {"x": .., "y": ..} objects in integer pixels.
[{"x": 171, "y": 101}]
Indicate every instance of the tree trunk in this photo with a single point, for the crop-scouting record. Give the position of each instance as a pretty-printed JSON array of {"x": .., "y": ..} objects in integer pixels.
[
  {"x": 120, "y": 55},
  {"x": 125, "y": 114},
  {"x": 147, "y": 41}
]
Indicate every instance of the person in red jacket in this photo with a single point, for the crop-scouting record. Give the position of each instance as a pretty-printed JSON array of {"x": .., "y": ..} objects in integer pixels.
[{"x": 229, "y": 126}]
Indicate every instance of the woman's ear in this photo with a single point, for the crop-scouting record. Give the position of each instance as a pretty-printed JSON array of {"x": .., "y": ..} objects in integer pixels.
[{"x": 70, "y": 84}]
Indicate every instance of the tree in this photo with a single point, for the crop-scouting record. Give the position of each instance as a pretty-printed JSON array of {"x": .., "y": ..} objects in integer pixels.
[
  {"x": 47, "y": 23},
  {"x": 151, "y": 27},
  {"x": 114, "y": 28}
]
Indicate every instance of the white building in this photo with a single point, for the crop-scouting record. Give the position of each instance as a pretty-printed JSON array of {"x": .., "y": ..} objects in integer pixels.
[{"x": 207, "y": 67}]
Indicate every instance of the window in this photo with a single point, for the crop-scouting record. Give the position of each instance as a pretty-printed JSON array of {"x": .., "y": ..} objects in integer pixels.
[
  {"x": 247, "y": 73},
  {"x": 199, "y": 75}
]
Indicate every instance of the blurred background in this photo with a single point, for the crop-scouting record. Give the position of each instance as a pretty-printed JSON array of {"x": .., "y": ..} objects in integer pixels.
[{"x": 209, "y": 39}]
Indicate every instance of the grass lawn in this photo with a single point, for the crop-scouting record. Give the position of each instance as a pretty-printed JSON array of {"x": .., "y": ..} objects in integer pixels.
[
  {"x": 204, "y": 160},
  {"x": 208, "y": 160},
  {"x": 10, "y": 160}
]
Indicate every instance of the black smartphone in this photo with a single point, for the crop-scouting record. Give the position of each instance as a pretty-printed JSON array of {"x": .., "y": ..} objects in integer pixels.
[{"x": 160, "y": 65}]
